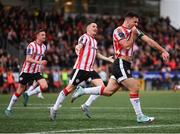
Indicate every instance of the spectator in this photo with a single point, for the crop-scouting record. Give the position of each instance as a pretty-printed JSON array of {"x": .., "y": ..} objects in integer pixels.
[
  {"x": 64, "y": 77},
  {"x": 1, "y": 80},
  {"x": 56, "y": 79},
  {"x": 10, "y": 82},
  {"x": 18, "y": 25}
]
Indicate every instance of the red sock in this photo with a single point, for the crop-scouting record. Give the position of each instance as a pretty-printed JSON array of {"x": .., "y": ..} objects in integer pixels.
[
  {"x": 42, "y": 89},
  {"x": 102, "y": 90},
  {"x": 65, "y": 91},
  {"x": 134, "y": 95},
  {"x": 17, "y": 95}
]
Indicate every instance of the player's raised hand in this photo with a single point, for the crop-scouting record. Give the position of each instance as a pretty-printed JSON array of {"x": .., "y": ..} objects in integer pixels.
[
  {"x": 134, "y": 33},
  {"x": 165, "y": 56},
  {"x": 134, "y": 30},
  {"x": 43, "y": 62}
]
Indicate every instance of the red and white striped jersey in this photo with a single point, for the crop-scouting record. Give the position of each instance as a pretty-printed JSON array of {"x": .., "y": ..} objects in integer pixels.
[
  {"x": 37, "y": 51},
  {"x": 119, "y": 34},
  {"x": 86, "y": 57}
]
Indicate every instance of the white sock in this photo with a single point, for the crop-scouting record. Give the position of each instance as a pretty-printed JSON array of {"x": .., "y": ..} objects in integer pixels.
[
  {"x": 35, "y": 91},
  {"x": 90, "y": 100},
  {"x": 29, "y": 89},
  {"x": 92, "y": 90},
  {"x": 178, "y": 87},
  {"x": 136, "y": 105},
  {"x": 12, "y": 102},
  {"x": 59, "y": 100},
  {"x": 40, "y": 93}
]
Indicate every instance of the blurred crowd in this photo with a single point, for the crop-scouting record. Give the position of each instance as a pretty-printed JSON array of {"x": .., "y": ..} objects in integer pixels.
[{"x": 18, "y": 26}]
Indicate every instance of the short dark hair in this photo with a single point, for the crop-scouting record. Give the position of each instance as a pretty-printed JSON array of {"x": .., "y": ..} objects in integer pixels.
[
  {"x": 90, "y": 21},
  {"x": 35, "y": 33},
  {"x": 40, "y": 30},
  {"x": 131, "y": 15}
]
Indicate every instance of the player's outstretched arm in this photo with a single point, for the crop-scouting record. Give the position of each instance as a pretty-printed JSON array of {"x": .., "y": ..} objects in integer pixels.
[
  {"x": 154, "y": 44},
  {"x": 100, "y": 56}
]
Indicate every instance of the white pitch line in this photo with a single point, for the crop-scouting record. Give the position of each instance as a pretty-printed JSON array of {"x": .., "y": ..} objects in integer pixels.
[
  {"x": 30, "y": 104},
  {"x": 45, "y": 106},
  {"x": 98, "y": 108},
  {"x": 110, "y": 128}
]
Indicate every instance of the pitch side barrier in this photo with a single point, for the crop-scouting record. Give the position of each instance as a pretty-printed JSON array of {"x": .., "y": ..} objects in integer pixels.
[
  {"x": 151, "y": 80},
  {"x": 157, "y": 80},
  {"x": 157, "y": 75}
]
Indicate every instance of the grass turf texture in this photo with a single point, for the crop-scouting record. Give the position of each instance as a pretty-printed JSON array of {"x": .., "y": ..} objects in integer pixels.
[{"x": 109, "y": 114}]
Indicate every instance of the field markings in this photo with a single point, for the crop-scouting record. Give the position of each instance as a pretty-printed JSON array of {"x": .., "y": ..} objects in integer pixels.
[
  {"x": 98, "y": 108},
  {"x": 111, "y": 128},
  {"x": 47, "y": 106}
]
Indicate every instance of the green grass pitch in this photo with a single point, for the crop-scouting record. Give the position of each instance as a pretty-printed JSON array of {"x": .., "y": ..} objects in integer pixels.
[{"x": 109, "y": 114}]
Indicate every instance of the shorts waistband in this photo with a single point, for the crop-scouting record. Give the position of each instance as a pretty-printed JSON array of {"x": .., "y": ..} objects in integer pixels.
[{"x": 126, "y": 58}]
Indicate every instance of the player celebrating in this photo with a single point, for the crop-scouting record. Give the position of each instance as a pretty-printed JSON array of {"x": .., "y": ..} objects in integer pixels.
[
  {"x": 124, "y": 37},
  {"x": 83, "y": 68},
  {"x": 31, "y": 68}
]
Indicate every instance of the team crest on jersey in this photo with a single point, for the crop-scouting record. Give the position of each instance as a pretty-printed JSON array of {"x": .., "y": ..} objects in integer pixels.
[
  {"x": 90, "y": 79},
  {"x": 81, "y": 39},
  {"x": 129, "y": 71},
  {"x": 29, "y": 51},
  {"x": 21, "y": 78},
  {"x": 77, "y": 80}
]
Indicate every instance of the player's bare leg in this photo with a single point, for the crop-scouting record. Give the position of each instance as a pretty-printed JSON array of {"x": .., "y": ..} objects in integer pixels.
[{"x": 111, "y": 88}]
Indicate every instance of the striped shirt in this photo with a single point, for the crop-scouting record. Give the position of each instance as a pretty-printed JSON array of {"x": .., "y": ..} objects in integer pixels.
[
  {"x": 86, "y": 57},
  {"x": 37, "y": 52},
  {"x": 119, "y": 34}
]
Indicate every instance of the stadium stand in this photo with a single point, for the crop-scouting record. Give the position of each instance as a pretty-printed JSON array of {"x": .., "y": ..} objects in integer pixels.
[{"x": 18, "y": 25}]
